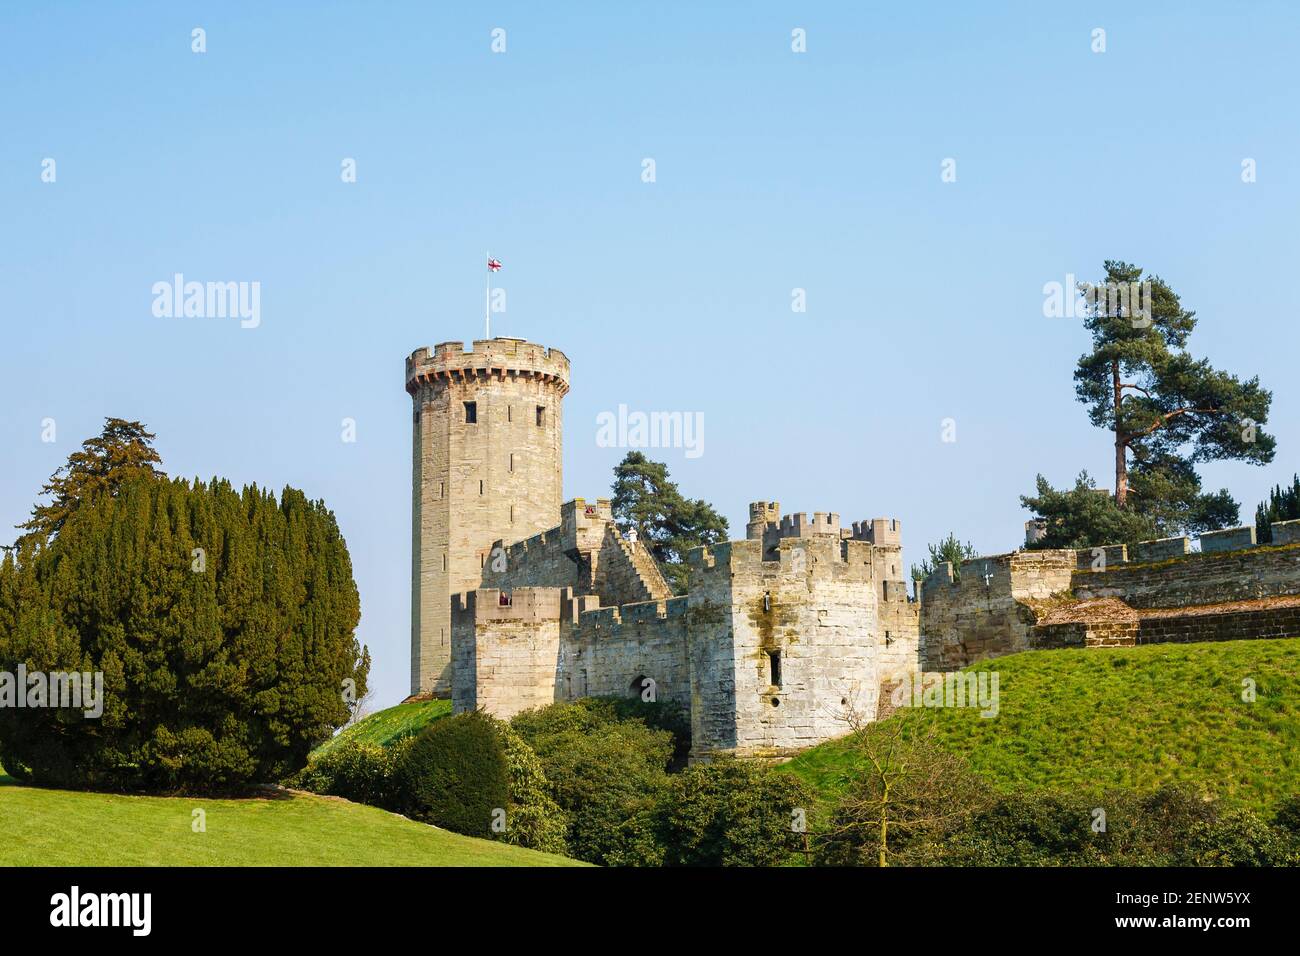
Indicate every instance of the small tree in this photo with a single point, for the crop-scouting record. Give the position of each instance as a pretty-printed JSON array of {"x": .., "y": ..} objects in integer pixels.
[
  {"x": 949, "y": 550},
  {"x": 909, "y": 795},
  {"x": 668, "y": 523}
]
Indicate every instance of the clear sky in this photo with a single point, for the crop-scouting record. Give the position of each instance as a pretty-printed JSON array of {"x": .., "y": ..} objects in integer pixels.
[{"x": 774, "y": 170}]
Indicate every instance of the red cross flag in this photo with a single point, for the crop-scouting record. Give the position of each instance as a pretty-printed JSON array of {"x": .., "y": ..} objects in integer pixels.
[{"x": 494, "y": 265}]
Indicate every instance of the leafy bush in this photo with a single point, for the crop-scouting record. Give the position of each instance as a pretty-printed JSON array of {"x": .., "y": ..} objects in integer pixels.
[
  {"x": 606, "y": 774},
  {"x": 1027, "y": 829},
  {"x": 533, "y": 818},
  {"x": 222, "y": 624},
  {"x": 1172, "y": 826},
  {"x": 454, "y": 775},
  {"x": 1287, "y": 816},
  {"x": 357, "y": 771},
  {"x": 659, "y": 715},
  {"x": 732, "y": 813},
  {"x": 1238, "y": 837}
]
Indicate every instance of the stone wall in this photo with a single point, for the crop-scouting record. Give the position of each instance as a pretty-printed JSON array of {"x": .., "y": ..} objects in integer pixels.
[
  {"x": 782, "y": 650},
  {"x": 1255, "y": 624},
  {"x": 1196, "y": 579},
  {"x": 990, "y": 610},
  {"x": 585, "y": 553},
  {"x": 1097, "y": 597},
  {"x": 613, "y": 651},
  {"x": 778, "y": 643},
  {"x": 1162, "y": 548},
  {"x": 1286, "y": 532},
  {"x": 1085, "y": 634},
  {"x": 504, "y": 656}
]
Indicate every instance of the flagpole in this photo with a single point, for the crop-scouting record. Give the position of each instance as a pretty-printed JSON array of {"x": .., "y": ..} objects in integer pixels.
[{"x": 487, "y": 301}]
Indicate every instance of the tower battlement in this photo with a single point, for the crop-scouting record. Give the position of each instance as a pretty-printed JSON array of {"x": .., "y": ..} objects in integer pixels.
[
  {"x": 798, "y": 525},
  {"x": 763, "y": 515},
  {"x": 486, "y": 358},
  {"x": 882, "y": 532}
]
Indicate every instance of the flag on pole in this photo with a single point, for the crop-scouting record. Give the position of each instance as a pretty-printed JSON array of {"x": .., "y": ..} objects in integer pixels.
[{"x": 494, "y": 265}]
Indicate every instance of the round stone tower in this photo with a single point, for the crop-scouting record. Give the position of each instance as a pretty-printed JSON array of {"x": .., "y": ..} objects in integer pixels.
[{"x": 487, "y": 465}]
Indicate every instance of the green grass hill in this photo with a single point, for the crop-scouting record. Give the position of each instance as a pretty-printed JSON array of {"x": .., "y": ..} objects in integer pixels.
[
  {"x": 1125, "y": 717},
  {"x": 41, "y": 827},
  {"x": 384, "y": 726}
]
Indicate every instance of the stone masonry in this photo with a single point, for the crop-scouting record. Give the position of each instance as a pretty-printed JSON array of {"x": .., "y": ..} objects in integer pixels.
[
  {"x": 519, "y": 600},
  {"x": 1231, "y": 589},
  {"x": 486, "y": 466}
]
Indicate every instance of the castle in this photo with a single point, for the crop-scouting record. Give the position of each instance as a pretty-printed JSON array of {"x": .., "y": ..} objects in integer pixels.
[{"x": 519, "y": 599}]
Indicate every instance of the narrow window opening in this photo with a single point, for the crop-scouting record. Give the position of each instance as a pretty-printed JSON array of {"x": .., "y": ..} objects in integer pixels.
[
  {"x": 774, "y": 664},
  {"x": 541, "y": 415},
  {"x": 512, "y": 514},
  {"x": 510, "y": 413},
  {"x": 767, "y": 602},
  {"x": 512, "y": 461},
  {"x": 480, "y": 486},
  {"x": 471, "y": 413},
  {"x": 444, "y": 560},
  {"x": 442, "y": 489}
]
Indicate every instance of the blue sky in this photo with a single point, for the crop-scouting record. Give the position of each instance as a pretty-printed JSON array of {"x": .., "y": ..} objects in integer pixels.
[{"x": 774, "y": 171}]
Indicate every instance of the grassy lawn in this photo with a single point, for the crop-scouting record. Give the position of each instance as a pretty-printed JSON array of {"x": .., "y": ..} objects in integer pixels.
[
  {"x": 1125, "y": 717},
  {"x": 40, "y": 827},
  {"x": 385, "y": 725},
  {"x": 59, "y": 828}
]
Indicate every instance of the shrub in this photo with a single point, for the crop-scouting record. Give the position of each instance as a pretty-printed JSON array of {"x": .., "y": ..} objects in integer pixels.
[
  {"x": 1027, "y": 829},
  {"x": 454, "y": 775},
  {"x": 1237, "y": 837},
  {"x": 533, "y": 818},
  {"x": 606, "y": 774},
  {"x": 731, "y": 813},
  {"x": 1172, "y": 826},
  {"x": 222, "y": 624},
  {"x": 361, "y": 772},
  {"x": 1287, "y": 815}
]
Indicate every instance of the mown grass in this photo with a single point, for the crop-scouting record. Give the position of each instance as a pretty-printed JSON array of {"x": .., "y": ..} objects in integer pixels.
[
  {"x": 41, "y": 827},
  {"x": 1125, "y": 717},
  {"x": 387, "y": 725}
]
